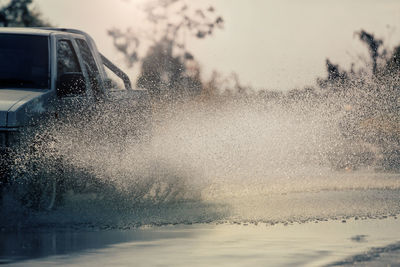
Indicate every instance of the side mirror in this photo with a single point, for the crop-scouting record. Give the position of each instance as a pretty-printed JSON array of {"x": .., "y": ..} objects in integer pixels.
[{"x": 71, "y": 84}]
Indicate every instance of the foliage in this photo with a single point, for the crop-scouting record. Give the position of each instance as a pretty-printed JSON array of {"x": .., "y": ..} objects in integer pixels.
[
  {"x": 168, "y": 69},
  {"x": 168, "y": 77},
  {"x": 18, "y": 13},
  {"x": 373, "y": 47},
  {"x": 370, "y": 100}
]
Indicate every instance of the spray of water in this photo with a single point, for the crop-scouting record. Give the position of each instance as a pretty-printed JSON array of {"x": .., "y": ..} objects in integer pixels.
[{"x": 247, "y": 161}]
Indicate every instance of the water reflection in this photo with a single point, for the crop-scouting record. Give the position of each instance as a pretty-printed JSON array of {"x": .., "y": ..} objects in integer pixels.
[{"x": 20, "y": 246}]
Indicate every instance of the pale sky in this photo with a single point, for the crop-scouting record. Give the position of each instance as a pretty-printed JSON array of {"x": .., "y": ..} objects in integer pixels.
[{"x": 271, "y": 44}]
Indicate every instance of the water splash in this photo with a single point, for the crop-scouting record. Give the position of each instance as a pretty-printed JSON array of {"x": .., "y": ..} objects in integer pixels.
[{"x": 240, "y": 162}]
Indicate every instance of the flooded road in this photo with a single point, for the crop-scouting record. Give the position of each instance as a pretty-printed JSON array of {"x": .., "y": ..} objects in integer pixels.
[{"x": 228, "y": 244}]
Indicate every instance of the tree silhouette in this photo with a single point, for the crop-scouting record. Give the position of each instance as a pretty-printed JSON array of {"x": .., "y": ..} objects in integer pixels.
[
  {"x": 168, "y": 69},
  {"x": 167, "y": 77},
  {"x": 18, "y": 13},
  {"x": 373, "y": 47}
]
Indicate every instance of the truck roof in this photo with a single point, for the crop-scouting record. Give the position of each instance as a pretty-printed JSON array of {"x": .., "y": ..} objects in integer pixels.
[{"x": 39, "y": 31}]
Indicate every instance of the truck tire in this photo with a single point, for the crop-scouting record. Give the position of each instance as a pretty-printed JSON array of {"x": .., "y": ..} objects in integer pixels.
[
  {"x": 39, "y": 193},
  {"x": 37, "y": 182}
]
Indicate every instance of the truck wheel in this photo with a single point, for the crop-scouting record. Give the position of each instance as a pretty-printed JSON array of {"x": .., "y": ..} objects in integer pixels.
[
  {"x": 39, "y": 185},
  {"x": 39, "y": 193},
  {"x": 48, "y": 195}
]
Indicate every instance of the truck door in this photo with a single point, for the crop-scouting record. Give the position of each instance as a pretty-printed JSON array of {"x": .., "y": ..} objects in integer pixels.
[{"x": 89, "y": 62}]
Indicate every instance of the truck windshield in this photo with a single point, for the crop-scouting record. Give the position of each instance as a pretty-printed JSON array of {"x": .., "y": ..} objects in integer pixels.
[{"x": 24, "y": 61}]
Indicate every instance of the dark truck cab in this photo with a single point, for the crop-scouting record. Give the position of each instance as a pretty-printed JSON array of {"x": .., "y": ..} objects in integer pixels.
[{"x": 44, "y": 70}]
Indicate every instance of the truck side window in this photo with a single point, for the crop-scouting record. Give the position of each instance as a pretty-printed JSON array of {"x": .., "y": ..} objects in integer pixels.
[
  {"x": 67, "y": 67},
  {"x": 67, "y": 60},
  {"x": 90, "y": 65}
]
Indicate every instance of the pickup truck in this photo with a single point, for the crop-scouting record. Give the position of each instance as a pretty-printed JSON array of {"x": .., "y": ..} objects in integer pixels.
[{"x": 45, "y": 72}]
